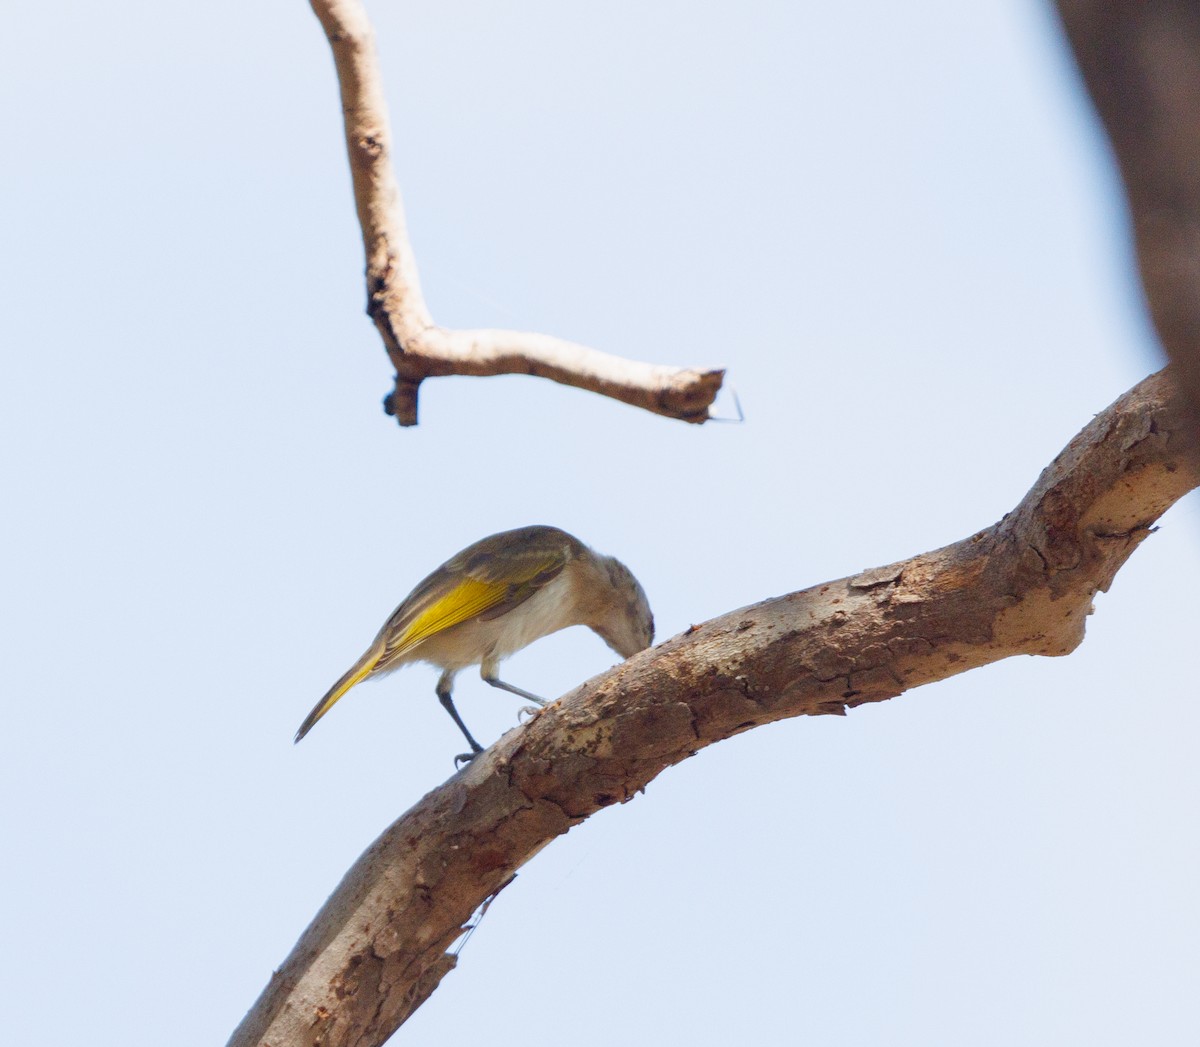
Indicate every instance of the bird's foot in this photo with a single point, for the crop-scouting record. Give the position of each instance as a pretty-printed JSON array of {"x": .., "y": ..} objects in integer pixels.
[
  {"x": 527, "y": 713},
  {"x": 462, "y": 759}
]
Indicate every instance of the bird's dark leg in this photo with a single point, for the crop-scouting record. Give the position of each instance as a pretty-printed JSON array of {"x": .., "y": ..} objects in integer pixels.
[
  {"x": 488, "y": 672},
  {"x": 447, "y": 700}
]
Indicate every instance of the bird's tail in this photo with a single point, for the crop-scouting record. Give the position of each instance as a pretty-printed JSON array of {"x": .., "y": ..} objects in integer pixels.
[{"x": 357, "y": 672}]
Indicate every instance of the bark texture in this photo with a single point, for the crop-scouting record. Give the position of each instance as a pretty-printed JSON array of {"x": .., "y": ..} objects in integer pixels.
[
  {"x": 1141, "y": 64},
  {"x": 418, "y": 347},
  {"x": 1023, "y": 586}
]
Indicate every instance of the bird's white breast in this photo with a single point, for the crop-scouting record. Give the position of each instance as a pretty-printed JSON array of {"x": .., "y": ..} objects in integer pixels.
[
  {"x": 546, "y": 611},
  {"x": 551, "y": 608}
]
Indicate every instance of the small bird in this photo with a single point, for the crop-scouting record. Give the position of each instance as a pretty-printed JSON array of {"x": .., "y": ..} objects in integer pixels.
[{"x": 494, "y": 598}]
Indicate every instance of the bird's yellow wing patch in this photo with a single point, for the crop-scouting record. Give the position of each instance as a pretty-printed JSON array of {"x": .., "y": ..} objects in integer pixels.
[{"x": 467, "y": 599}]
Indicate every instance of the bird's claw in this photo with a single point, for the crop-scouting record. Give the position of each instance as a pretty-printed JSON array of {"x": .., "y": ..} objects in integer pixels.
[
  {"x": 527, "y": 713},
  {"x": 462, "y": 759}
]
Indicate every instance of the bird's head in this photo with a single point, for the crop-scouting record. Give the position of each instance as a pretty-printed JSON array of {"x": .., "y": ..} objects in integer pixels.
[{"x": 624, "y": 622}]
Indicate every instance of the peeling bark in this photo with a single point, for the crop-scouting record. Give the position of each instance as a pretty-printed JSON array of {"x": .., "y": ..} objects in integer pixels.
[{"x": 1023, "y": 586}]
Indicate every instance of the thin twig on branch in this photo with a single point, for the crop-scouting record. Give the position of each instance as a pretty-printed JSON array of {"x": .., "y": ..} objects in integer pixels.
[
  {"x": 1023, "y": 586},
  {"x": 1141, "y": 64},
  {"x": 419, "y": 348}
]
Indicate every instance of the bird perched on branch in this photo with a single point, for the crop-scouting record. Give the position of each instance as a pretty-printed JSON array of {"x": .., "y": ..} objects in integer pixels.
[{"x": 494, "y": 598}]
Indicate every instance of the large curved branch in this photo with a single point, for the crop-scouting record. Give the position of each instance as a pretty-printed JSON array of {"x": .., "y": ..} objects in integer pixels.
[
  {"x": 1023, "y": 586},
  {"x": 420, "y": 349},
  {"x": 1141, "y": 64}
]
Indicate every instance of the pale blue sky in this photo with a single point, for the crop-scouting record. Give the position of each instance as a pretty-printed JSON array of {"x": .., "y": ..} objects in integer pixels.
[{"x": 896, "y": 225}]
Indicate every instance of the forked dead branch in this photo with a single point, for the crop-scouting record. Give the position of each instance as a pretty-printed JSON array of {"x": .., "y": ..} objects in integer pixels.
[
  {"x": 1022, "y": 586},
  {"x": 418, "y": 347}
]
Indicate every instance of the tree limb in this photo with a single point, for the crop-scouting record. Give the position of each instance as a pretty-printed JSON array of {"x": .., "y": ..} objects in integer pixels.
[
  {"x": 1023, "y": 586},
  {"x": 1141, "y": 64},
  {"x": 419, "y": 348}
]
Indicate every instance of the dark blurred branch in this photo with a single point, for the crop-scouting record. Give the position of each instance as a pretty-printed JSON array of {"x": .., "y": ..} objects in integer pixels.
[{"x": 1141, "y": 62}]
